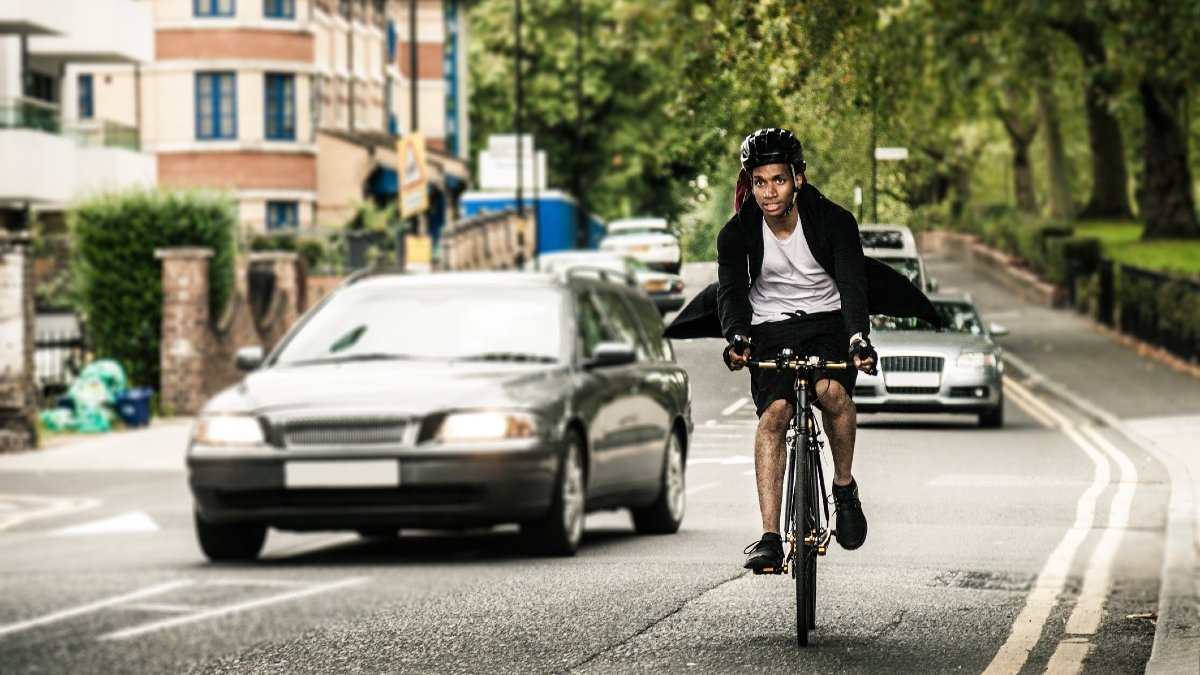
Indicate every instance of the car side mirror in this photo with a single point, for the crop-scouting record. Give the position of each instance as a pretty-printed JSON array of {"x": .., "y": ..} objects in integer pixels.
[
  {"x": 997, "y": 330},
  {"x": 612, "y": 354},
  {"x": 933, "y": 285},
  {"x": 248, "y": 358}
]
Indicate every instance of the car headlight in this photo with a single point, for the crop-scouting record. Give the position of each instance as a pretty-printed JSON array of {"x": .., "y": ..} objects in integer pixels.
[
  {"x": 471, "y": 427},
  {"x": 228, "y": 430},
  {"x": 976, "y": 359}
]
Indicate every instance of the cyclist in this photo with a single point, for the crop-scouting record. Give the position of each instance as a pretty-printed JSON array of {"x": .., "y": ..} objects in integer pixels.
[{"x": 790, "y": 274}]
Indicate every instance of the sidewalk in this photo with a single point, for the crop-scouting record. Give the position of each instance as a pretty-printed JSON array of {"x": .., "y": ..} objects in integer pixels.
[
  {"x": 1155, "y": 406},
  {"x": 158, "y": 447}
]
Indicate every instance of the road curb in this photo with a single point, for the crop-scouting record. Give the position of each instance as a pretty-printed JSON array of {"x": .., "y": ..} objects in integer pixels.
[{"x": 1177, "y": 632}]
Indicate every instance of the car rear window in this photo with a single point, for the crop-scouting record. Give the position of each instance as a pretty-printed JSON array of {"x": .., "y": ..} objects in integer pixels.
[
  {"x": 467, "y": 322},
  {"x": 881, "y": 238}
]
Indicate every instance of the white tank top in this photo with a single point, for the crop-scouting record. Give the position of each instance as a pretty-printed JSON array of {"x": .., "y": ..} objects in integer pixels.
[{"x": 791, "y": 280}]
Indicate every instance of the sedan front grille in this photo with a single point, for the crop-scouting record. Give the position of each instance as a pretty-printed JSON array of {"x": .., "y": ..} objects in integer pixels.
[
  {"x": 912, "y": 364},
  {"x": 312, "y": 432},
  {"x": 912, "y": 391}
]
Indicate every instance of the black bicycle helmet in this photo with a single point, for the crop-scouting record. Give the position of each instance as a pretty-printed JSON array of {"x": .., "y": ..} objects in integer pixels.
[{"x": 772, "y": 146}]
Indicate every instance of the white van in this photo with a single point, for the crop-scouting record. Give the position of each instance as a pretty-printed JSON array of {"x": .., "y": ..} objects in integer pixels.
[{"x": 896, "y": 246}]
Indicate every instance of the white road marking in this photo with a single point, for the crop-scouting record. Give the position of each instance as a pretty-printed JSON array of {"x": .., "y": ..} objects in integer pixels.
[
  {"x": 1030, "y": 408},
  {"x": 311, "y": 545},
  {"x": 736, "y": 459},
  {"x": 92, "y": 606},
  {"x": 710, "y": 423},
  {"x": 42, "y": 507},
  {"x": 1027, "y": 629},
  {"x": 1068, "y": 658},
  {"x": 704, "y": 486},
  {"x": 134, "y": 521},
  {"x": 230, "y": 609},
  {"x": 735, "y": 406},
  {"x": 162, "y": 607}
]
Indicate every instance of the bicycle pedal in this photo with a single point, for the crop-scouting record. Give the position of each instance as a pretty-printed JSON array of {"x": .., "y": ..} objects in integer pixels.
[{"x": 770, "y": 570}]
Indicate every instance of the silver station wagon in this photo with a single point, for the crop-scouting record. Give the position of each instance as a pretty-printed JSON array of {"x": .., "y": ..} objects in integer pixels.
[
  {"x": 449, "y": 401},
  {"x": 923, "y": 370}
]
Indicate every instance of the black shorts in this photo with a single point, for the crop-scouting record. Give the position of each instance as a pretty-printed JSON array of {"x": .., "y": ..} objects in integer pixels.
[{"x": 822, "y": 335}]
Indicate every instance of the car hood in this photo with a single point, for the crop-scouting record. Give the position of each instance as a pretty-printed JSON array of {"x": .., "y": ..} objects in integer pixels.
[
  {"x": 897, "y": 341},
  {"x": 398, "y": 387}
]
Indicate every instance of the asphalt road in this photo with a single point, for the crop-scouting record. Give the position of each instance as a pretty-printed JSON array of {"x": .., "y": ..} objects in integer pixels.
[{"x": 972, "y": 532}]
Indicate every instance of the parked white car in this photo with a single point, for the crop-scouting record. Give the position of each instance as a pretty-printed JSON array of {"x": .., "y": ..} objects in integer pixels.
[
  {"x": 647, "y": 239},
  {"x": 896, "y": 246}
]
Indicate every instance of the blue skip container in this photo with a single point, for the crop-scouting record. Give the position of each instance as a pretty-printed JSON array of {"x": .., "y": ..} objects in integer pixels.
[{"x": 133, "y": 406}]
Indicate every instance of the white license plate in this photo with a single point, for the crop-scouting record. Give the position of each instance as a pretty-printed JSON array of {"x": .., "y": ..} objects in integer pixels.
[
  {"x": 348, "y": 473},
  {"x": 912, "y": 379}
]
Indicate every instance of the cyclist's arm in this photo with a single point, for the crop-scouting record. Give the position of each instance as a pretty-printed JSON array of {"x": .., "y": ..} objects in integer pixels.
[
  {"x": 850, "y": 273},
  {"x": 733, "y": 277}
]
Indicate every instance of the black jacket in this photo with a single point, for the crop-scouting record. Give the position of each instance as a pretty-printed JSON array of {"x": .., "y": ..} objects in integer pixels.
[{"x": 832, "y": 235}]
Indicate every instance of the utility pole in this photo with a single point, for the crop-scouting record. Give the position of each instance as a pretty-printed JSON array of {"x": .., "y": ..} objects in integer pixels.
[
  {"x": 581, "y": 216},
  {"x": 874, "y": 142}
]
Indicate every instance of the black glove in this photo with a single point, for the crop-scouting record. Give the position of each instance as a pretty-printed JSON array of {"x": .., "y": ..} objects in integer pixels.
[
  {"x": 739, "y": 344},
  {"x": 863, "y": 350}
]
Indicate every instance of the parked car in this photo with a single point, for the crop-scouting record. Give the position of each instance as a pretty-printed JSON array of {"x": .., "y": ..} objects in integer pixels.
[
  {"x": 647, "y": 239},
  {"x": 925, "y": 370},
  {"x": 664, "y": 288},
  {"x": 896, "y": 246},
  {"x": 449, "y": 401}
]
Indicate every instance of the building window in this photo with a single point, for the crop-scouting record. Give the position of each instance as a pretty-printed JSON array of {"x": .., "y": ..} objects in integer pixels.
[
  {"x": 86, "y": 109},
  {"x": 279, "y": 9},
  {"x": 216, "y": 106},
  {"x": 283, "y": 215},
  {"x": 280, "y": 107},
  {"x": 212, "y": 7}
]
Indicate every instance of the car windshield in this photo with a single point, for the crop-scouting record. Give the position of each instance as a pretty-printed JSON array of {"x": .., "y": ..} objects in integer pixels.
[
  {"x": 957, "y": 317},
  {"x": 909, "y": 267},
  {"x": 476, "y": 323}
]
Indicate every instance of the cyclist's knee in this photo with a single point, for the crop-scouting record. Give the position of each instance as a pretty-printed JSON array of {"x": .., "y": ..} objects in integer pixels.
[
  {"x": 777, "y": 415},
  {"x": 833, "y": 397}
]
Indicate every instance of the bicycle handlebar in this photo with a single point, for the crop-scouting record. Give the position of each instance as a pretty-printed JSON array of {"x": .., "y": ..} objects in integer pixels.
[{"x": 796, "y": 363}]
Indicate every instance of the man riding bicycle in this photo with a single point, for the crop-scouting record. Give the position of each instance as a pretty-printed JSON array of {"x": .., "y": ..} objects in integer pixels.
[{"x": 790, "y": 275}]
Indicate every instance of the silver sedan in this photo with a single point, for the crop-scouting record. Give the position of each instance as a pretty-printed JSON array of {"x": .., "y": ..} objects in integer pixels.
[{"x": 923, "y": 370}]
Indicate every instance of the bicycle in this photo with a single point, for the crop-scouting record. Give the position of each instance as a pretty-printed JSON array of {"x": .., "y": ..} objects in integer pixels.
[{"x": 801, "y": 506}]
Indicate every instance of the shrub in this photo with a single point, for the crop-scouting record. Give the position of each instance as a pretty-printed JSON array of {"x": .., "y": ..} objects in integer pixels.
[{"x": 119, "y": 281}]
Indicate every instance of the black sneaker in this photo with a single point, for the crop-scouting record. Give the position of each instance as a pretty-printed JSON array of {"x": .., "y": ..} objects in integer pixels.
[
  {"x": 765, "y": 556},
  {"x": 851, "y": 528}
]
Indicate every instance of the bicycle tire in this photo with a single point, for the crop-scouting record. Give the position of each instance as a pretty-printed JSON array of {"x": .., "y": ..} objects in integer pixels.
[
  {"x": 814, "y": 512},
  {"x": 805, "y": 565}
]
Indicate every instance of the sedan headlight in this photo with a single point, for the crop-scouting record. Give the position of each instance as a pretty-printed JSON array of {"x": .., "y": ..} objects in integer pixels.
[
  {"x": 976, "y": 359},
  {"x": 472, "y": 427},
  {"x": 228, "y": 430}
]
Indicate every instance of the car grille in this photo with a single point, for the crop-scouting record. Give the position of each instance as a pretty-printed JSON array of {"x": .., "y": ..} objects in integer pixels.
[
  {"x": 912, "y": 364},
  {"x": 313, "y": 432},
  {"x": 912, "y": 390},
  {"x": 864, "y": 392},
  {"x": 432, "y": 495}
]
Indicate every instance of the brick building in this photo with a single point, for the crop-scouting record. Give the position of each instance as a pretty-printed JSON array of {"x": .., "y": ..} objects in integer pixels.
[{"x": 294, "y": 105}]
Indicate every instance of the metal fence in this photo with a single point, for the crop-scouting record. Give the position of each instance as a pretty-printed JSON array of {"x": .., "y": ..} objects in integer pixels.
[
  {"x": 1157, "y": 308},
  {"x": 58, "y": 358}
]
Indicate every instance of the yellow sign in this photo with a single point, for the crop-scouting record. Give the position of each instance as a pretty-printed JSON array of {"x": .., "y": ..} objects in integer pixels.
[
  {"x": 412, "y": 174},
  {"x": 418, "y": 249}
]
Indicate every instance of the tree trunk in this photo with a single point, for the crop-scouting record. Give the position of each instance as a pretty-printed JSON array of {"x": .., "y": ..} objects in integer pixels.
[
  {"x": 1166, "y": 199},
  {"x": 1058, "y": 180},
  {"x": 1021, "y": 129},
  {"x": 1110, "y": 180}
]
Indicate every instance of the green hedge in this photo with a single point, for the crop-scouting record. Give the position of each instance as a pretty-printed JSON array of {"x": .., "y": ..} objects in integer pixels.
[
  {"x": 313, "y": 251},
  {"x": 120, "y": 281}
]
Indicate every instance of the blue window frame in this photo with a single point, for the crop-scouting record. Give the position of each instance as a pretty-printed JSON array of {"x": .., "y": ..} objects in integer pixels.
[
  {"x": 212, "y": 7},
  {"x": 86, "y": 109},
  {"x": 280, "y": 108},
  {"x": 279, "y": 9},
  {"x": 391, "y": 40},
  {"x": 281, "y": 215},
  {"x": 216, "y": 106}
]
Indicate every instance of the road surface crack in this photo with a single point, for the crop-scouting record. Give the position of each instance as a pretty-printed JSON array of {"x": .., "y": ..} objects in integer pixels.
[{"x": 653, "y": 624}]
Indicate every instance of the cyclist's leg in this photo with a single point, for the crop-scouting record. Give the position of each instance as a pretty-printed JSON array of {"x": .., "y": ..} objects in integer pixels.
[
  {"x": 770, "y": 461},
  {"x": 839, "y": 419}
]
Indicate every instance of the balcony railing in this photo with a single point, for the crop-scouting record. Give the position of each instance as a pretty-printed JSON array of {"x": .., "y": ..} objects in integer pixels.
[{"x": 30, "y": 113}]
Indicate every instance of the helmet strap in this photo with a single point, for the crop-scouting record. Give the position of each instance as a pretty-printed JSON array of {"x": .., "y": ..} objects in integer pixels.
[{"x": 788, "y": 210}]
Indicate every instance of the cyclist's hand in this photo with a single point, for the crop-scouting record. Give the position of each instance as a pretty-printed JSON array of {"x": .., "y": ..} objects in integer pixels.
[
  {"x": 864, "y": 355},
  {"x": 739, "y": 352}
]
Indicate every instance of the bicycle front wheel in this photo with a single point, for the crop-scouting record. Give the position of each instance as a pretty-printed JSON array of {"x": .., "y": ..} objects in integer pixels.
[{"x": 804, "y": 567}]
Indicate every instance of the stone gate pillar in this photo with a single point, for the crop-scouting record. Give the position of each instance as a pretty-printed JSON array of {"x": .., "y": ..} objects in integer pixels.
[
  {"x": 18, "y": 393},
  {"x": 186, "y": 334}
]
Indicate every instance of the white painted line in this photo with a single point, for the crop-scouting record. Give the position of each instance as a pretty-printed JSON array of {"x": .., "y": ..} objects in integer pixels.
[
  {"x": 736, "y": 459},
  {"x": 1085, "y": 618},
  {"x": 735, "y": 406},
  {"x": 1068, "y": 658},
  {"x": 704, "y": 486},
  {"x": 134, "y": 521},
  {"x": 749, "y": 472},
  {"x": 161, "y": 607},
  {"x": 1042, "y": 598},
  {"x": 273, "y": 583},
  {"x": 710, "y": 423},
  {"x": 230, "y": 609},
  {"x": 45, "y": 507},
  {"x": 310, "y": 546},
  {"x": 92, "y": 606},
  {"x": 1030, "y": 407}
]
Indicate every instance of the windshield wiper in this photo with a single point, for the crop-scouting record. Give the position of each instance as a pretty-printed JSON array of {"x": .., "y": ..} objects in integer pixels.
[
  {"x": 508, "y": 356},
  {"x": 345, "y": 358}
]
